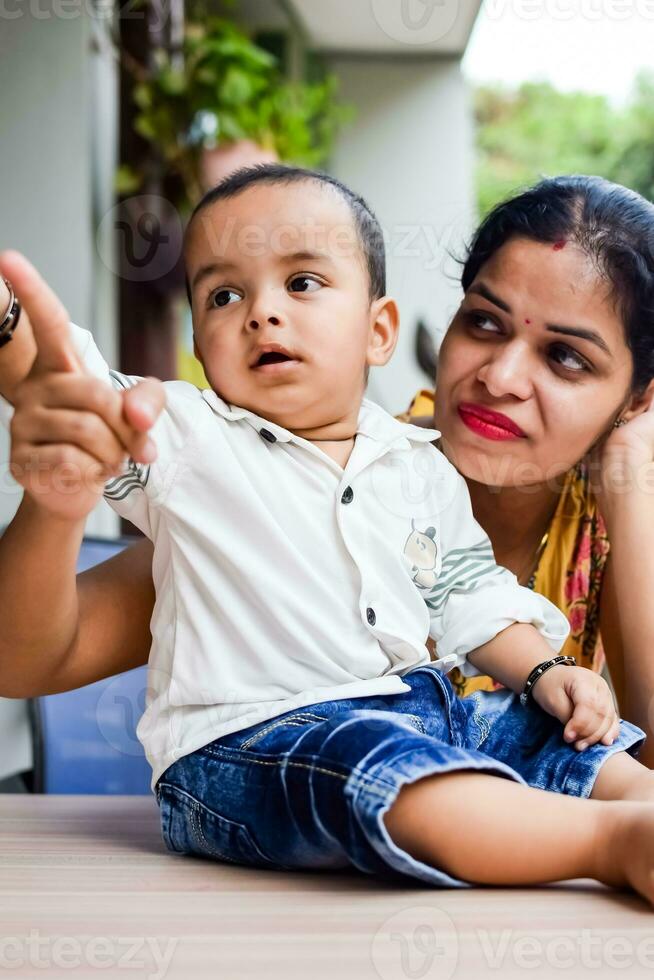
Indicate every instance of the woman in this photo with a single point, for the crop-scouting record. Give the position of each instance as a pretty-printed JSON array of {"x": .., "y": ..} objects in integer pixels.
[
  {"x": 552, "y": 347},
  {"x": 544, "y": 400}
]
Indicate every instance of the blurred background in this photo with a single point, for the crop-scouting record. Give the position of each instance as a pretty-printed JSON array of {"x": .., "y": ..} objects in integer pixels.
[{"x": 116, "y": 116}]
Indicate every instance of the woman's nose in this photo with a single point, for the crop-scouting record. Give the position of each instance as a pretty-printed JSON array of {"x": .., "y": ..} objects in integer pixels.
[{"x": 506, "y": 372}]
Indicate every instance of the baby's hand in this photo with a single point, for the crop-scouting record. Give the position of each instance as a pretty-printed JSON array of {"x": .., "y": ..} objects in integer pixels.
[
  {"x": 582, "y": 701},
  {"x": 70, "y": 432}
]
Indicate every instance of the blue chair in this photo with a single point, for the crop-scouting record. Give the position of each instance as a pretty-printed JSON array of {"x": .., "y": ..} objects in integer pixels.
[{"x": 85, "y": 740}]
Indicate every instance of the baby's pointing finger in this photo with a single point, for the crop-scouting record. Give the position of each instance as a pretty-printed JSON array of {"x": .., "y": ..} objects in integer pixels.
[
  {"x": 48, "y": 316},
  {"x": 143, "y": 403}
]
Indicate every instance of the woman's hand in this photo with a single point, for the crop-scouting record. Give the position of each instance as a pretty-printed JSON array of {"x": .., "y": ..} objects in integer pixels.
[
  {"x": 582, "y": 701},
  {"x": 624, "y": 460},
  {"x": 70, "y": 431}
]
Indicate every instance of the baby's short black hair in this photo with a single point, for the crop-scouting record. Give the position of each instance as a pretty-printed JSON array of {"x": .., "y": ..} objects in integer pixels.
[{"x": 366, "y": 224}]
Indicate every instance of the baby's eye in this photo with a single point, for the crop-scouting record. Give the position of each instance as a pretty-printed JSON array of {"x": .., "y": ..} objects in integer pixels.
[
  {"x": 304, "y": 284},
  {"x": 224, "y": 297}
]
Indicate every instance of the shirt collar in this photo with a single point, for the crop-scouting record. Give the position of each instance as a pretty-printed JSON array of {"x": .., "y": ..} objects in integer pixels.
[
  {"x": 378, "y": 424},
  {"x": 374, "y": 422},
  {"x": 232, "y": 413}
]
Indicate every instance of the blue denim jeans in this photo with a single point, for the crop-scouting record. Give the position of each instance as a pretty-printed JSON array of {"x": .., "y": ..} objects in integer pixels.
[{"x": 309, "y": 788}]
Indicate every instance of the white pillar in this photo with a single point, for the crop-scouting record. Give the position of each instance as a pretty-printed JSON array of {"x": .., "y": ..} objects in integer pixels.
[{"x": 410, "y": 154}]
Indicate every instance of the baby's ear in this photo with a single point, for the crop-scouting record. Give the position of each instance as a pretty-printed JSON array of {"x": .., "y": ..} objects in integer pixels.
[
  {"x": 384, "y": 327},
  {"x": 431, "y": 533}
]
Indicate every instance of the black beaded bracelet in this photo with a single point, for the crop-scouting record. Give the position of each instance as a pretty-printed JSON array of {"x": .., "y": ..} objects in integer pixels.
[{"x": 538, "y": 672}]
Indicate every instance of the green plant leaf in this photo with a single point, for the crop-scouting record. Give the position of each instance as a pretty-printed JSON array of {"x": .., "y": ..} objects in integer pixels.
[
  {"x": 160, "y": 58},
  {"x": 145, "y": 127},
  {"x": 229, "y": 129},
  {"x": 171, "y": 82},
  {"x": 229, "y": 76},
  {"x": 206, "y": 75},
  {"x": 237, "y": 86},
  {"x": 142, "y": 95},
  {"x": 126, "y": 180}
]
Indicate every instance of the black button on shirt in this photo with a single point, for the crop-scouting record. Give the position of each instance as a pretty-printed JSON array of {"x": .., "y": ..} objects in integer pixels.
[
  {"x": 370, "y": 615},
  {"x": 348, "y": 496},
  {"x": 267, "y": 435}
]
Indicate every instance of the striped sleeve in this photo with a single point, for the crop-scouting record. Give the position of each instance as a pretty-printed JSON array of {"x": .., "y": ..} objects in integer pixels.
[
  {"x": 135, "y": 476},
  {"x": 464, "y": 570},
  {"x": 126, "y": 493},
  {"x": 473, "y": 598}
]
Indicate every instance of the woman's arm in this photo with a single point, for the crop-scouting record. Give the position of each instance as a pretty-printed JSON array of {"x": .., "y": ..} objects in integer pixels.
[
  {"x": 68, "y": 435},
  {"x": 16, "y": 357},
  {"x": 627, "y": 610},
  {"x": 611, "y": 635}
]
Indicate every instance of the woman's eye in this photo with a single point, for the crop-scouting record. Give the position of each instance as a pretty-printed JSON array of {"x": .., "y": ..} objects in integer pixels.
[
  {"x": 224, "y": 297},
  {"x": 568, "y": 358},
  {"x": 483, "y": 322},
  {"x": 304, "y": 284}
]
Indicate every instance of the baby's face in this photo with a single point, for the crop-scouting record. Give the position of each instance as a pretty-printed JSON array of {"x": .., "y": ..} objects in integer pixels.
[{"x": 282, "y": 317}]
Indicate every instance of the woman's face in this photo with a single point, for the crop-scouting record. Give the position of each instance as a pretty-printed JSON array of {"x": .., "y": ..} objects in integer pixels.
[{"x": 536, "y": 339}]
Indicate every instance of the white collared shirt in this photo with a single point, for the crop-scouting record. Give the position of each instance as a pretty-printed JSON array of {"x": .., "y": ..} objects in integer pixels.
[{"x": 283, "y": 579}]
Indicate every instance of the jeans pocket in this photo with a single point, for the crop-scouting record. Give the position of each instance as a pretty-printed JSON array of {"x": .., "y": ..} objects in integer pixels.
[
  {"x": 298, "y": 719},
  {"x": 188, "y": 826},
  {"x": 478, "y": 722},
  {"x": 448, "y": 704},
  {"x": 172, "y": 824}
]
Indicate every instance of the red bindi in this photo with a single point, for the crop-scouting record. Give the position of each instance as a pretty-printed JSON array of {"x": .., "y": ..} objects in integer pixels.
[
  {"x": 558, "y": 246},
  {"x": 527, "y": 321}
]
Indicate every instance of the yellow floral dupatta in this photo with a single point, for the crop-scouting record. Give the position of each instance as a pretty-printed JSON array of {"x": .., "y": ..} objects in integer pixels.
[{"x": 570, "y": 568}]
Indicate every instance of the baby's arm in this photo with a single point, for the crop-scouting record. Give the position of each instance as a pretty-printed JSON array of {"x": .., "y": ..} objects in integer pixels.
[
  {"x": 578, "y": 697},
  {"x": 473, "y": 599},
  {"x": 67, "y": 433},
  {"x": 485, "y": 622}
]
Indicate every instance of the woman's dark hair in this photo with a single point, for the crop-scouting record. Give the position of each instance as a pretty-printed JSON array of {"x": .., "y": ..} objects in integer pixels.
[{"x": 614, "y": 226}]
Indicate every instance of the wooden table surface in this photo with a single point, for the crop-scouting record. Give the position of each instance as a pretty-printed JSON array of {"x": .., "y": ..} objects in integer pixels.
[{"x": 87, "y": 889}]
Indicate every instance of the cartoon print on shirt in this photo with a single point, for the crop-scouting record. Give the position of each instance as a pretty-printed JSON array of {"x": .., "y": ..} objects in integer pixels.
[{"x": 421, "y": 550}]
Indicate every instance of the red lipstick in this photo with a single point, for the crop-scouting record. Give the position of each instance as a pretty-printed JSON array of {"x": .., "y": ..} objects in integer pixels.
[{"x": 491, "y": 425}]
